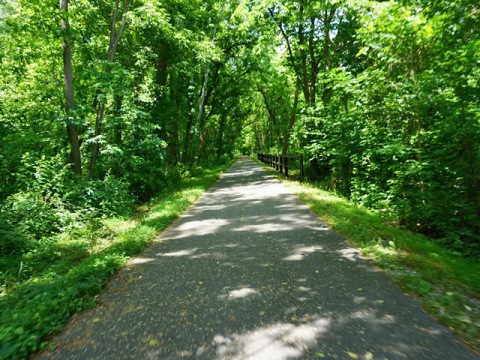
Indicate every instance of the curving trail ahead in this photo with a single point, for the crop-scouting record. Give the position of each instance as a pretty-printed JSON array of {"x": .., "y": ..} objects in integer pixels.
[{"x": 249, "y": 272}]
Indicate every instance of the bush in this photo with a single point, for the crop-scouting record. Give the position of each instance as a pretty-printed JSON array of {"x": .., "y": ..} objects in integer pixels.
[
  {"x": 146, "y": 184},
  {"x": 31, "y": 214},
  {"x": 52, "y": 199},
  {"x": 109, "y": 196},
  {"x": 12, "y": 243},
  {"x": 177, "y": 174}
]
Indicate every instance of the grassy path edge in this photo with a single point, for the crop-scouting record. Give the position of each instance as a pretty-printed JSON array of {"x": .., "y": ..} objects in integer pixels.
[
  {"x": 36, "y": 309},
  {"x": 445, "y": 284}
]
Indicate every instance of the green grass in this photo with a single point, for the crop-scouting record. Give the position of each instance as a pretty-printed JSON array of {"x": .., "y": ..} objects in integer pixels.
[
  {"x": 62, "y": 277},
  {"x": 445, "y": 283}
]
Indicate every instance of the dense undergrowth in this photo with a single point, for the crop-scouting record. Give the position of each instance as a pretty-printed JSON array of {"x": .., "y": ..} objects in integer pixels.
[
  {"x": 444, "y": 281},
  {"x": 60, "y": 246}
]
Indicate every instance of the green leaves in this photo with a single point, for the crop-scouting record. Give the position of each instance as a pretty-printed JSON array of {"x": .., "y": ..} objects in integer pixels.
[{"x": 387, "y": 134}]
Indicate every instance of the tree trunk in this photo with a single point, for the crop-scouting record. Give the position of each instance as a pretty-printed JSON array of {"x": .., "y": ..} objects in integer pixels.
[
  {"x": 186, "y": 156},
  {"x": 260, "y": 139},
  {"x": 201, "y": 150},
  {"x": 303, "y": 56},
  {"x": 173, "y": 133},
  {"x": 201, "y": 107},
  {"x": 221, "y": 129},
  {"x": 293, "y": 118},
  {"x": 327, "y": 91},
  {"x": 272, "y": 117},
  {"x": 112, "y": 47},
  {"x": 117, "y": 130},
  {"x": 75, "y": 157},
  {"x": 314, "y": 62}
]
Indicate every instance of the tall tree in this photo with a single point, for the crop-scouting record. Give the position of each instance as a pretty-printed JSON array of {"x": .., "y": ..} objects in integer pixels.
[
  {"x": 72, "y": 130},
  {"x": 115, "y": 35},
  {"x": 201, "y": 119}
]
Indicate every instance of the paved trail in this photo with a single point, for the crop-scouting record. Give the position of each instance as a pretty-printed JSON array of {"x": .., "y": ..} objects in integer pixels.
[{"x": 250, "y": 273}]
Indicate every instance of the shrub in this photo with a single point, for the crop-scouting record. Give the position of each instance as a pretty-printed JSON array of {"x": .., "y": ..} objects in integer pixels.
[
  {"x": 32, "y": 214},
  {"x": 52, "y": 199},
  {"x": 109, "y": 196},
  {"x": 12, "y": 243}
]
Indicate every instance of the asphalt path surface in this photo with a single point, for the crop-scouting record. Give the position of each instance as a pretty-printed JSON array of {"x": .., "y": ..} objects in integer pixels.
[{"x": 248, "y": 272}]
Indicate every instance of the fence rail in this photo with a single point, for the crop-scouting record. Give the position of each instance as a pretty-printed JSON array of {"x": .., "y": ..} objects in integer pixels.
[{"x": 283, "y": 163}]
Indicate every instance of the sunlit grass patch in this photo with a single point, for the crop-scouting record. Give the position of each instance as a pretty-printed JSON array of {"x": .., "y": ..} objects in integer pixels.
[{"x": 119, "y": 225}]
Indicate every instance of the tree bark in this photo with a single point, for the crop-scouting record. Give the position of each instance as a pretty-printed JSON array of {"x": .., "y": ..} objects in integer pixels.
[
  {"x": 289, "y": 48},
  {"x": 112, "y": 47},
  {"x": 117, "y": 131},
  {"x": 327, "y": 91},
  {"x": 307, "y": 70},
  {"x": 72, "y": 130},
  {"x": 221, "y": 128},
  {"x": 303, "y": 56},
  {"x": 293, "y": 118},
  {"x": 272, "y": 117},
  {"x": 186, "y": 156},
  {"x": 173, "y": 151},
  {"x": 314, "y": 66},
  {"x": 203, "y": 95}
]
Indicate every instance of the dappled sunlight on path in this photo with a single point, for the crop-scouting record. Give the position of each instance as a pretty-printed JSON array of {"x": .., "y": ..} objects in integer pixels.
[
  {"x": 249, "y": 272},
  {"x": 276, "y": 341}
]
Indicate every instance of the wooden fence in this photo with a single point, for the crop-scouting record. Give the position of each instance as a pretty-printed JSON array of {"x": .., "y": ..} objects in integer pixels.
[{"x": 283, "y": 163}]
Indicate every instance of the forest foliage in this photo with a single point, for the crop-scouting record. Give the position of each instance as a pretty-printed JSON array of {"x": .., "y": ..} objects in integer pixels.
[
  {"x": 381, "y": 97},
  {"x": 109, "y": 90},
  {"x": 106, "y": 104},
  {"x": 389, "y": 114}
]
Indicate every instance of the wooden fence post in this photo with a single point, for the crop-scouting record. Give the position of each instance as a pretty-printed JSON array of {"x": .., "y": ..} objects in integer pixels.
[{"x": 280, "y": 162}]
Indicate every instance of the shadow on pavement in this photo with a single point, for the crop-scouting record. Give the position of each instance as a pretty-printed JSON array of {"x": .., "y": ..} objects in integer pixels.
[{"x": 250, "y": 273}]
